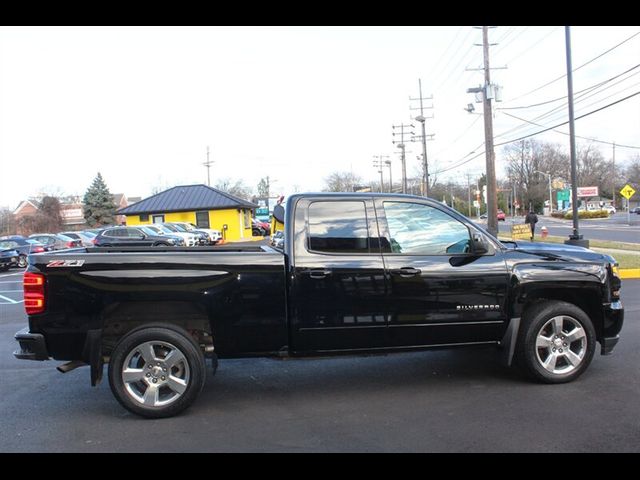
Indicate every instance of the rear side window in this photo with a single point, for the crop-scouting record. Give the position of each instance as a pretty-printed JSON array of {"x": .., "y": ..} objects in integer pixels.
[
  {"x": 338, "y": 227},
  {"x": 116, "y": 232}
]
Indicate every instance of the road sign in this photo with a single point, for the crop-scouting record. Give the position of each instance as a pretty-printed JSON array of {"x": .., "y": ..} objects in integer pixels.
[{"x": 627, "y": 191}]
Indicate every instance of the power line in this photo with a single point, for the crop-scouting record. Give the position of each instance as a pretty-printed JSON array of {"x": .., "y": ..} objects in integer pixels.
[
  {"x": 459, "y": 163},
  {"x": 578, "y": 68},
  {"x": 578, "y": 136},
  {"x": 599, "y": 84},
  {"x": 583, "y": 95}
]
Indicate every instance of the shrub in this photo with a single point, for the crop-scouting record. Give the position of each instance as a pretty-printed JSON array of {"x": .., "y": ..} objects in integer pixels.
[{"x": 588, "y": 214}]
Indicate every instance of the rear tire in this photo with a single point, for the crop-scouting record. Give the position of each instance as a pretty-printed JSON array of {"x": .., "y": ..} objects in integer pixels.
[
  {"x": 556, "y": 342},
  {"x": 156, "y": 372}
]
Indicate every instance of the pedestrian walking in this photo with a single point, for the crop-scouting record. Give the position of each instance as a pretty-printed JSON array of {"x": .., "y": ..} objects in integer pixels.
[{"x": 531, "y": 219}]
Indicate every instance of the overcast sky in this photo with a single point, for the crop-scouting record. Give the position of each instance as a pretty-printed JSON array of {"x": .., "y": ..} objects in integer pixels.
[{"x": 141, "y": 104}]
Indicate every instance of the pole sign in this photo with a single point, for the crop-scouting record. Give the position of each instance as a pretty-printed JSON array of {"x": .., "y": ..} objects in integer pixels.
[{"x": 588, "y": 192}]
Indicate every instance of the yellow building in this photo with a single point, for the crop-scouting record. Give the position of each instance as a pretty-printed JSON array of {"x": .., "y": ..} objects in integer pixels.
[{"x": 204, "y": 206}]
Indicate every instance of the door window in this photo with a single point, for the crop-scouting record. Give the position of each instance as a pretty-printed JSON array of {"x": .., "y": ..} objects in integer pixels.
[
  {"x": 338, "y": 227},
  {"x": 417, "y": 229}
]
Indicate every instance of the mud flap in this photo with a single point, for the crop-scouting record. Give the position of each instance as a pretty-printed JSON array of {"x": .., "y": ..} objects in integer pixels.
[
  {"x": 92, "y": 354},
  {"x": 509, "y": 340}
]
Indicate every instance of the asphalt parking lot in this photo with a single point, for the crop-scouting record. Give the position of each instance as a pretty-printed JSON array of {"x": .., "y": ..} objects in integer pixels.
[{"x": 432, "y": 401}]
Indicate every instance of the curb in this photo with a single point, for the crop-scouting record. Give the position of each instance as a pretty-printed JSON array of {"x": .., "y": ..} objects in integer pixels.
[{"x": 628, "y": 273}]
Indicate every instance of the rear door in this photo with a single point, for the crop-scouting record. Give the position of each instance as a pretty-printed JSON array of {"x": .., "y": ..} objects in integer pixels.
[
  {"x": 337, "y": 288},
  {"x": 439, "y": 291}
]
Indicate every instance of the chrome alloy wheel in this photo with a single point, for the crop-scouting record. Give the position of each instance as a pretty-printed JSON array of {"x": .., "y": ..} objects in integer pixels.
[
  {"x": 155, "y": 374},
  {"x": 561, "y": 345}
]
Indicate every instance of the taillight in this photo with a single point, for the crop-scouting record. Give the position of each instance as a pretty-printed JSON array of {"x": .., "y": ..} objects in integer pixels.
[
  {"x": 33, "y": 284},
  {"x": 38, "y": 249},
  {"x": 70, "y": 244},
  {"x": 94, "y": 241}
]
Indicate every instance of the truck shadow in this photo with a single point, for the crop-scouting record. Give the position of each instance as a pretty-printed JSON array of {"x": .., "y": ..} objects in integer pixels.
[{"x": 244, "y": 379}]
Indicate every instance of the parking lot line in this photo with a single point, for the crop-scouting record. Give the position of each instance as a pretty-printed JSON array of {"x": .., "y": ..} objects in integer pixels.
[{"x": 2, "y": 297}]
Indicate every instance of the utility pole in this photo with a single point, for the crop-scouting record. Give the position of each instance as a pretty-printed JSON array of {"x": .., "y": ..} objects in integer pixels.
[
  {"x": 388, "y": 163},
  {"x": 422, "y": 119},
  {"x": 469, "y": 193},
  {"x": 613, "y": 177},
  {"x": 379, "y": 162},
  {"x": 575, "y": 238},
  {"x": 489, "y": 92},
  {"x": 401, "y": 145},
  {"x": 208, "y": 164},
  {"x": 492, "y": 208}
]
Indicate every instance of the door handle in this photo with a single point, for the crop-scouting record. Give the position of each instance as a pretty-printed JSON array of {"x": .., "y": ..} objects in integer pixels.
[
  {"x": 319, "y": 274},
  {"x": 406, "y": 271}
]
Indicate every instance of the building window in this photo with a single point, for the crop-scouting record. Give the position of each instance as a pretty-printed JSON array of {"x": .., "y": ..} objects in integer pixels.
[
  {"x": 247, "y": 218},
  {"x": 202, "y": 219},
  {"x": 144, "y": 218},
  {"x": 338, "y": 227},
  {"x": 158, "y": 219}
]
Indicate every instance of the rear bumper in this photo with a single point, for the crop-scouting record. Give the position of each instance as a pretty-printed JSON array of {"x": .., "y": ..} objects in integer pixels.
[
  {"x": 613, "y": 314},
  {"x": 32, "y": 346}
]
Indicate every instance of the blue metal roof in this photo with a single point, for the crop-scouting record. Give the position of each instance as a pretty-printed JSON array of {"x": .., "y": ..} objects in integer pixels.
[{"x": 185, "y": 198}]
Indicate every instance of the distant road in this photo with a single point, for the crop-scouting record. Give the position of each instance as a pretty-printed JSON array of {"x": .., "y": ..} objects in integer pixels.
[{"x": 613, "y": 228}]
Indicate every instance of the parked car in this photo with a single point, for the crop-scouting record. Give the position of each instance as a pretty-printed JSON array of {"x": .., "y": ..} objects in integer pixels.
[
  {"x": 85, "y": 238},
  {"x": 501, "y": 216},
  {"x": 8, "y": 258},
  {"x": 609, "y": 208},
  {"x": 202, "y": 238},
  {"x": 213, "y": 236},
  {"x": 277, "y": 239},
  {"x": 635, "y": 210},
  {"x": 130, "y": 237},
  {"x": 56, "y": 241},
  {"x": 24, "y": 247},
  {"x": 191, "y": 239},
  {"x": 258, "y": 228},
  {"x": 154, "y": 230}
]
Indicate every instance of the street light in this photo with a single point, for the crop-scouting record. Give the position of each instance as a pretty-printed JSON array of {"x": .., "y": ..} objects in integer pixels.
[{"x": 550, "y": 201}]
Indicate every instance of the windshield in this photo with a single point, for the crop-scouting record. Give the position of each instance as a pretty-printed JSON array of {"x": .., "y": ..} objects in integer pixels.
[
  {"x": 170, "y": 228},
  {"x": 179, "y": 227},
  {"x": 148, "y": 231}
]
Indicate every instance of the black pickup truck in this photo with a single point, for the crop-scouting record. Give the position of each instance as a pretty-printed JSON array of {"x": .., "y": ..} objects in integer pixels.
[{"x": 357, "y": 273}]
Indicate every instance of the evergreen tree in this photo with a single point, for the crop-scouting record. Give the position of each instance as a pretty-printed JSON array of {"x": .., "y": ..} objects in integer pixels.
[{"x": 99, "y": 208}]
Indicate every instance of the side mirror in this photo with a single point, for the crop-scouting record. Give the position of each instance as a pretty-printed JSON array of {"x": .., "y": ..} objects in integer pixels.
[{"x": 480, "y": 246}]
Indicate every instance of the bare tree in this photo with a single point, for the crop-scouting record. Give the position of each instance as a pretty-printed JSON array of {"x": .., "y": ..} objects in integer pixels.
[
  {"x": 237, "y": 188},
  {"x": 341, "y": 182}
]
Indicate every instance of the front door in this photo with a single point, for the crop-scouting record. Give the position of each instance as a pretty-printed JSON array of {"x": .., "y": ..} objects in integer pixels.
[
  {"x": 338, "y": 286},
  {"x": 439, "y": 291}
]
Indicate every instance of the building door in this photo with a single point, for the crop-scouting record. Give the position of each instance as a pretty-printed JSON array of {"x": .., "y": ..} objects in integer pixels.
[
  {"x": 158, "y": 219},
  {"x": 202, "y": 219}
]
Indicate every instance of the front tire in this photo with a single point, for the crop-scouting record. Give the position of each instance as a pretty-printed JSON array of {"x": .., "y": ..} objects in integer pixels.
[
  {"x": 22, "y": 261},
  {"x": 156, "y": 372},
  {"x": 556, "y": 342}
]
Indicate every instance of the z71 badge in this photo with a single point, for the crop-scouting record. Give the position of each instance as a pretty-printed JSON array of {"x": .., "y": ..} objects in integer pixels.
[{"x": 65, "y": 263}]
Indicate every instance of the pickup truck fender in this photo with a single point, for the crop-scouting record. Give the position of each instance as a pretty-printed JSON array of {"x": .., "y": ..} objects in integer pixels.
[{"x": 577, "y": 283}]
